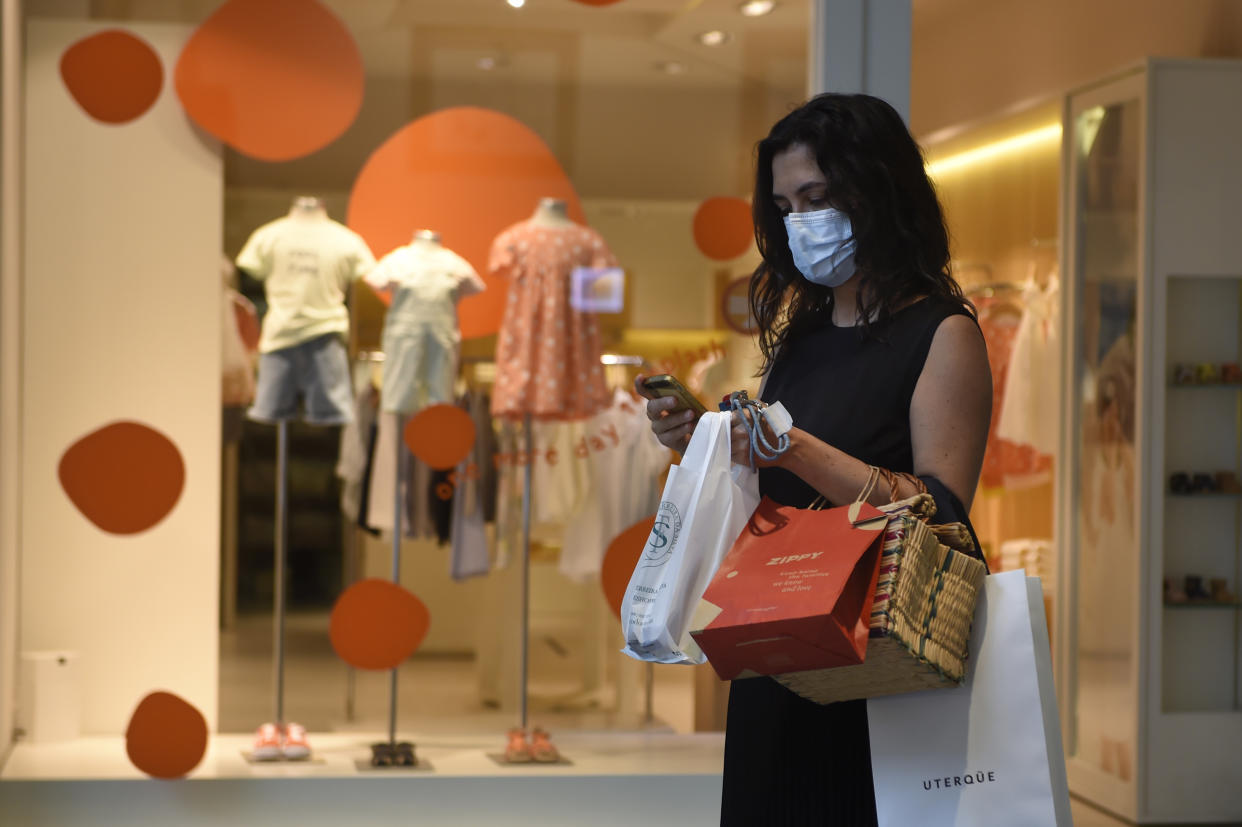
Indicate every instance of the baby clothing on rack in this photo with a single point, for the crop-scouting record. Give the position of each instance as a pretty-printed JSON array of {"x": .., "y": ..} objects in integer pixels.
[
  {"x": 475, "y": 482},
  {"x": 624, "y": 464},
  {"x": 421, "y": 336},
  {"x": 1030, "y": 405},
  {"x": 547, "y": 353},
  {"x": 1005, "y": 463}
]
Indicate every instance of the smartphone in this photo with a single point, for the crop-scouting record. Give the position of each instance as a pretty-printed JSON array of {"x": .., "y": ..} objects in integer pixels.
[{"x": 665, "y": 385}]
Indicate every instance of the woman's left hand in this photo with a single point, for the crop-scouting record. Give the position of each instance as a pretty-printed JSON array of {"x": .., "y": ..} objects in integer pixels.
[{"x": 739, "y": 442}]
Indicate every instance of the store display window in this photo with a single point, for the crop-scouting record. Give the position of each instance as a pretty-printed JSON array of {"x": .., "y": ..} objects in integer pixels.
[{"x": 333, "y": 311}]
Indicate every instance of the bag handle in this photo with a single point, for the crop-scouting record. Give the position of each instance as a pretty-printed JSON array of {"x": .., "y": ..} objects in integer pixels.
[{"x": 873, "y": 476}]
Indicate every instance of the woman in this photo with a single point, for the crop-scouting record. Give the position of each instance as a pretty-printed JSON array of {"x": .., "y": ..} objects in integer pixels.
[{"x": 870, "y": 345}]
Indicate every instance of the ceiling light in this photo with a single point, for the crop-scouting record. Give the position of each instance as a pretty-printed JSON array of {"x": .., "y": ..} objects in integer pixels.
[
  {"x": 1044, "y": 135},
  {"x": 714, "y": 38},
  {"x": 486, "y": 63},
  {"x": 671, "y": 67},
  {"x": 757, "y": 8},
  {"x": 517, "y": 4}
]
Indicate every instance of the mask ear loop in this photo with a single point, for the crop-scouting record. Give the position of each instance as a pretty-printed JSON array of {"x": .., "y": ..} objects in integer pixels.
[{"x": 751, "y": 412}]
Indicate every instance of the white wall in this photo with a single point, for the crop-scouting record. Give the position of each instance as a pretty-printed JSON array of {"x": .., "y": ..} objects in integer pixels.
[
  {"x": 10, "y": 352},
  {"x": 122, "y": 247}
]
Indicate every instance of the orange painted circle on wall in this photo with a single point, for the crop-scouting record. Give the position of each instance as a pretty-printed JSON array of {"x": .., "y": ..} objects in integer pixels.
[
  {"x": 723, "y": 228},
  {"x": 440, "y": 435},
  {"x": 166, "y": 736},
  {"x": 619, "y": 561},
  {"x": 124, "y": 477},
  {"x": 467, "y": 173},
  {"x": 376, "y": 624},
  {"x": 113, "y": 75},
  {"x": 274, "y": 79}
]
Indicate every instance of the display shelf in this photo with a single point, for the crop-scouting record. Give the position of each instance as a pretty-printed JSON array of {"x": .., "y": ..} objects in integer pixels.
[
  {"x": 1213, "y": 385},
  {"x": 1206, "y": 495},
  {"x": 1203, "y": 605}
]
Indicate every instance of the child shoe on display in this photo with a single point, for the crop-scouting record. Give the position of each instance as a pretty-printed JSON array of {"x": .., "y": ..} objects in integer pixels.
[
  {"x": 1207, "y": 373},
  {"x": 403, "y": 754},
  {"x": 1173, "y": 593},
  {"x": 267, "y": 746},
  {"x": 297, "y": 748},
  {"x": 382, "y": 754},
  {"x": 1183, "y": 374},
  {"x": 1231, "y": 373},
  {"x": 1220, "y": 591},
  {"x": 517, "y": 751},
  {"x": 1194, "y": 588},
  {"x": 542, "y": 749},
  {"x": 1179, "y": 483},
  {"x": 1227, "y": 482},
  {"x": 1202, "y": 483}
]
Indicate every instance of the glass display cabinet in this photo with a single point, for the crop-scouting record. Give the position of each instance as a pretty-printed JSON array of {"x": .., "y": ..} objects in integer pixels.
[{"x": 1150, "y": 504}]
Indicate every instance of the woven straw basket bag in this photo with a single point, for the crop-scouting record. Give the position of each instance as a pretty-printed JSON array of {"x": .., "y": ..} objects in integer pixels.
[{"x": 920, "y": 624}]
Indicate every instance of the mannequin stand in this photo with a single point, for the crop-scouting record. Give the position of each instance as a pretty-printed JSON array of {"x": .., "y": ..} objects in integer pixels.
[
  {"x": 392, "y": 753},
  {"x": 279, "y": 565},
  {"x": 279, "y": 578}
]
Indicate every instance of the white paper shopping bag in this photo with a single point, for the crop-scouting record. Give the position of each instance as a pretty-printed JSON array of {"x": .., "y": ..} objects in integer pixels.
[
  {"x": 706, "y": 503},
  {"x": 988, "y": 753}
]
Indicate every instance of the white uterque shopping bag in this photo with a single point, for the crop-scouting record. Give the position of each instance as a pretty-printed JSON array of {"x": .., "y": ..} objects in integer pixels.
[
  {"x": 987, "y": 753},
  {"x": 706, "y": 503}
]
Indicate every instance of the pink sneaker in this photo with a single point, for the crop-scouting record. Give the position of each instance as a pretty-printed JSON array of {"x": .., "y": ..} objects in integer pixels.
[
  {"x": 266, "y": 744},
  {"x": 296, "y": 746}
]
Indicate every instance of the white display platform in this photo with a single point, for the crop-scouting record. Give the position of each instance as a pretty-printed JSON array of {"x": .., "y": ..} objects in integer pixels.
[{"x": 615, "y": 779}]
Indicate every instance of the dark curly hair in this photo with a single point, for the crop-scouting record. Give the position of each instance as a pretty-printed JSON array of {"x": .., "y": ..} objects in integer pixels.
[{"x": 875, "y": 175}]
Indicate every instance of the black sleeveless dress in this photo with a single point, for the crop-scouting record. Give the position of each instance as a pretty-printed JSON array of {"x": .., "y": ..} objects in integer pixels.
[{"x": 789, "y": 761}]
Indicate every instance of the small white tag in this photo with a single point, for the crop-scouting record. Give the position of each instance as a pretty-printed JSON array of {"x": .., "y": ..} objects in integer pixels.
[{"x": 778, "y": 419}]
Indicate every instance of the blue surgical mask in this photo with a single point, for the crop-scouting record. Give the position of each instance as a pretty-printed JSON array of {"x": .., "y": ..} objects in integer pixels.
[{"x": 822, "y": 243}]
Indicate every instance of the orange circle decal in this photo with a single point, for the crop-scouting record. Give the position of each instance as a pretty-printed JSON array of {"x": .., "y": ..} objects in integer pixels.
[
  {"x": 621, "y": 558},
  {"x": 430, "y": 174},
  {"x": 124, "y": 477},
  {"x": 440, "y": 435},
  {"x": 376, "y": 624},
  {"x": 113, "y": 75},
  {"x": 274, "y": 79},
  {"x": 166, "y": 736},
  {"x": 723, "y": 228}
]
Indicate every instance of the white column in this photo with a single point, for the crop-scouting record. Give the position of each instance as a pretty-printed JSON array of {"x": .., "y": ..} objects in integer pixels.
[
  {"x": 861, "y": 46},
  {"x": 121, "y": 317},
  {"x": 10, "y": 352}
]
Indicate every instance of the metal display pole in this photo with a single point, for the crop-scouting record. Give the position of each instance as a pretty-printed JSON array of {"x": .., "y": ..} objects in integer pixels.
[
  {"x": 397, "y": 522},
  {"x": 281, "y": 540},
  {"x": 526, "y": 504}
]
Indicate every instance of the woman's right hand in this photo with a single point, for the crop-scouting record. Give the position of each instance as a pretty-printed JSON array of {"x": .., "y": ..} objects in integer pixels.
[{"x": 672, "y": 429}]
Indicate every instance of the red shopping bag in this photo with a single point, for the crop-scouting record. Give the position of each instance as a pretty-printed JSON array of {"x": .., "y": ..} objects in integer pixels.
[{"x": 794, "y": 592}]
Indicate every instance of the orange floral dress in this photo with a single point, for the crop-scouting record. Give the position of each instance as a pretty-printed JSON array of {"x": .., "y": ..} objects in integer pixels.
[{"x": 547, "y": 353}]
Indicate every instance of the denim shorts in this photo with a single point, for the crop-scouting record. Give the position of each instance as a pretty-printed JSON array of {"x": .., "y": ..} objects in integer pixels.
[{"x": 316, "y": 370}]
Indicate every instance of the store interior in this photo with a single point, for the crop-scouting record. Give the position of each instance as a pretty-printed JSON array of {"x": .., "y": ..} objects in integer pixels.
[{"x": 637, "y": 120}]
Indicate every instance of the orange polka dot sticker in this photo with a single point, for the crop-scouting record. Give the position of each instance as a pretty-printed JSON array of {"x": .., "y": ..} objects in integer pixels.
[
  {"x": 431, "y": 172},
  {"x": 376, "y": 624},
  {"x": 274, "y": 79},
  {"x": 440, "y": 435},
  {"x": 125, "y": 477},
  {"x": 620, "y": 559},
  {"x": 723, "y": 228},
  {"x": 166, "y": 736},
  {"x": 113, "y": 75}
]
